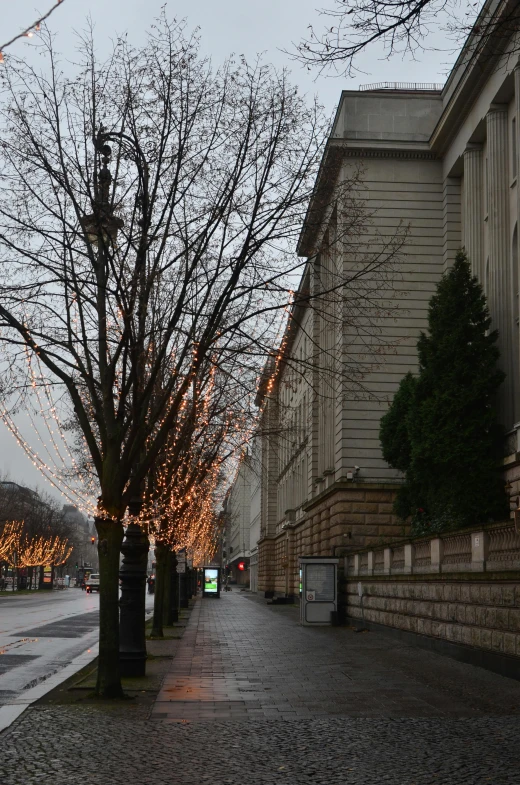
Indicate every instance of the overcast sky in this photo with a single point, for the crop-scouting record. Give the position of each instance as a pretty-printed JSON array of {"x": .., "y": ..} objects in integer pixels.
[{"x": 227, "y": 26}]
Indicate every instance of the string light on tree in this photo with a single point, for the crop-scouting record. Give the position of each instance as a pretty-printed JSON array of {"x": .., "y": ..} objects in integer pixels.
[{"x": 29, "y": 31}]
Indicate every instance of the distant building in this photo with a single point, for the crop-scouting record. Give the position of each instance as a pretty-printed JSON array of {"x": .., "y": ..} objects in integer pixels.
[
  {"x": 237, "y": 512},
  {"x": 255, "y": 509},
  {"x": 74, "y": 518},
  {"x": 19, "y": 491},
  {"x": 83, "y": 537}
]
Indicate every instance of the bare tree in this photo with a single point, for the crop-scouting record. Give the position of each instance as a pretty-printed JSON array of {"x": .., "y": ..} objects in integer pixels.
[
  {"x": 211, "y": 173},
  {"x": 42, "y": 527},
  {"x": 181, "y": 489},
  {"x": 352, "y": 27},
  {"x": 154, "y": 204}
]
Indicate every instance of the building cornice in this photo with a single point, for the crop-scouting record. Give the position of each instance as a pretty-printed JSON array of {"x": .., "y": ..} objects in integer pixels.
[
  {"x": 348, "y": 485},
  {"x": 476, "y": 71},
  {"x": 335, "y": 153},
  {"x": 377, "y": 152},
  {"x": 322, "y": 195}
]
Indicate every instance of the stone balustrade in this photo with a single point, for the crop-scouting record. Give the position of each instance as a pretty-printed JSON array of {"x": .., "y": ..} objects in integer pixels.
[
  {"x": 456, "y": 593},
  {"x": 495, "y": 547}
]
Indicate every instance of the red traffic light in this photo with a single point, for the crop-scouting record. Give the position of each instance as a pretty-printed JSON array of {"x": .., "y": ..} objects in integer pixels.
[{"x": 241, "y": 565}]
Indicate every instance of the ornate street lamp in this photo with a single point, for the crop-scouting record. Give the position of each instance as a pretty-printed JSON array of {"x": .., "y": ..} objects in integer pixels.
[{"x": 103, "y": 225}]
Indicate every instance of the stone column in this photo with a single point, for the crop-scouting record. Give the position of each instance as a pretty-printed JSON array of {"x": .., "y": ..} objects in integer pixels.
[
  {"x": 499, "y": 285},
  {"x": 436, "y": 554},
  {"x": 517, "y": 108},
  {"x": 515, "y": 273},
  {"x": 479, "y": 550},
  {"x": 473, "y": 209}
]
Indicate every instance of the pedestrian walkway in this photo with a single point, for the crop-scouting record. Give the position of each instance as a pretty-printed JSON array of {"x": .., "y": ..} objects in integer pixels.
[
  {"x": 241, "y": 659},
  {"x": 254, "y": 699}
]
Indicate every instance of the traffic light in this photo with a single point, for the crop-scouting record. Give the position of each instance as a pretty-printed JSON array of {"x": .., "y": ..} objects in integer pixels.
[
  {"x": 92, "y": 540},
  {"x": 241, "y": 565},
  {"x": 76, "y": 565}
]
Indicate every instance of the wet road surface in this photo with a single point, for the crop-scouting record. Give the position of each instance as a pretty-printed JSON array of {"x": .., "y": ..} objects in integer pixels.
[{"x": 42, "y": 633}]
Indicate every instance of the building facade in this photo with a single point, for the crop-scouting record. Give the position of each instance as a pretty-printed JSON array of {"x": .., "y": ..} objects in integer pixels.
[
  {"x": 237, "y": 516},
  {"x": 439, "y": 165},
  {"x": 255, "y": 509}
]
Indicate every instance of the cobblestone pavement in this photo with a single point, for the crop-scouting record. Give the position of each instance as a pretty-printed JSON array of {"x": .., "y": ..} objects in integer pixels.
[{"x": 253, "y": 698}]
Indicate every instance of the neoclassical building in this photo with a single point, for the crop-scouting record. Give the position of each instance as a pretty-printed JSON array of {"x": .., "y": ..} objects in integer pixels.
[{"x": 442, "y": 162}]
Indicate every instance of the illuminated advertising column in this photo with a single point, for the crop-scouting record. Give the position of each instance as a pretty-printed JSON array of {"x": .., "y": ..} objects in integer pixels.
[
  {"x": 46, "y": 577},
  {"x": 211, "y": 584}
]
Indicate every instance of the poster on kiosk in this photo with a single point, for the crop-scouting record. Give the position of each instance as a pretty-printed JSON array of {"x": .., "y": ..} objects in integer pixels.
[{"x": 211, "y": 587}]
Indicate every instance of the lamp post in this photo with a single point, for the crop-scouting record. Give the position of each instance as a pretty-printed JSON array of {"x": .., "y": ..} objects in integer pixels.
[{"x": 101, "y": 228}]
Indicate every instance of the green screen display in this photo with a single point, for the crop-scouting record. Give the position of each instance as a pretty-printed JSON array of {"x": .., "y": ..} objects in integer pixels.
[{"x": 211, "y": 581}]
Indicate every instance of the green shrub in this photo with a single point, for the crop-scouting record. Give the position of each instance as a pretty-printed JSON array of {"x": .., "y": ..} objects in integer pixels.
[{"x": 441, "y": 430}]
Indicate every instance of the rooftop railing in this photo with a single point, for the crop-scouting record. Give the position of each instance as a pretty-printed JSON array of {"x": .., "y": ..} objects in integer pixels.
[{"x": 411, "y": 86}]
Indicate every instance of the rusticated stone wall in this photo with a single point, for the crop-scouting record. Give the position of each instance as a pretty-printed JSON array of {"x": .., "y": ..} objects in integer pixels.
[
  {"x": 265, "y": 561},
  {"x": 345, "y": 518},
  {"x": 458, "y": 591},
  {"x": 483, "y": 612}
]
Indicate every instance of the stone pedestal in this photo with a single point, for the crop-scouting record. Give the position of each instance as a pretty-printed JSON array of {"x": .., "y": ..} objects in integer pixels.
[
  {"x": 174, "y": 597},
  {"x": 183, "y": 590},
  {"x": 132, "y": 637}
]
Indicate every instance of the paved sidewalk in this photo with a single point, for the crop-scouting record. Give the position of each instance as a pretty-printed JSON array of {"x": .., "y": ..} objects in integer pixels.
[
  {"x": 252, "y": 698},
  {"x": 242, "y": 659}
]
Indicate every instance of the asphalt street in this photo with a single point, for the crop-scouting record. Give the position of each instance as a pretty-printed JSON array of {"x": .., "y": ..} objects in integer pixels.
[{"x": 42, "y": 633}]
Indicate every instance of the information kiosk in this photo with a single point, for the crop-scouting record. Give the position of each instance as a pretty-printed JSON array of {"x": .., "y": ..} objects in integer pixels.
[
  {"x": 211, "y": 585},
  {"x": 319, "y": 589}
]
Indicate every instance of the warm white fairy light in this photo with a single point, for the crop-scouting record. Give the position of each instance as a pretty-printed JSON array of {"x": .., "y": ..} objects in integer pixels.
[
  {"x": 29, "y": 31},
  {"x": 20, "y": 550},
  {"x": 46, "y": 470},
  {"x": 9, "y": 537}
]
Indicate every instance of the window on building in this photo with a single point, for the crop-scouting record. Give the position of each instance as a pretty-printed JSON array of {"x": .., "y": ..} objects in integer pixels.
[
  {"x": 514, "y": 165},
  {"x": 486, "y": 183},
  {"x": 516, "y": 325}
]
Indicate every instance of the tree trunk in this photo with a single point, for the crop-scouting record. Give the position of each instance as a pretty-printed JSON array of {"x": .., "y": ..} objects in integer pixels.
[
  {"x": 161, "y": 559},
  {"x": 167, "y": 602},
  {"x": 110, "y": 537}
]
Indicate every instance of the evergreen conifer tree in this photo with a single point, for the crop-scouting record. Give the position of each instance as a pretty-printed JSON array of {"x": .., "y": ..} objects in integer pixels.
[
  {"x": 449, "y": 437},
  {"x": 395, "y": 439}
]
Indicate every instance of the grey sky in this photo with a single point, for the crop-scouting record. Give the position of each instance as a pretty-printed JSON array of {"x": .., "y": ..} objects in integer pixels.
[{"x": 226, "y": 26}]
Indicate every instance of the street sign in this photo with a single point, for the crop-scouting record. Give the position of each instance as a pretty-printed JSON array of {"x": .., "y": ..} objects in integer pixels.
[{"x": 181, "y": 567}]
